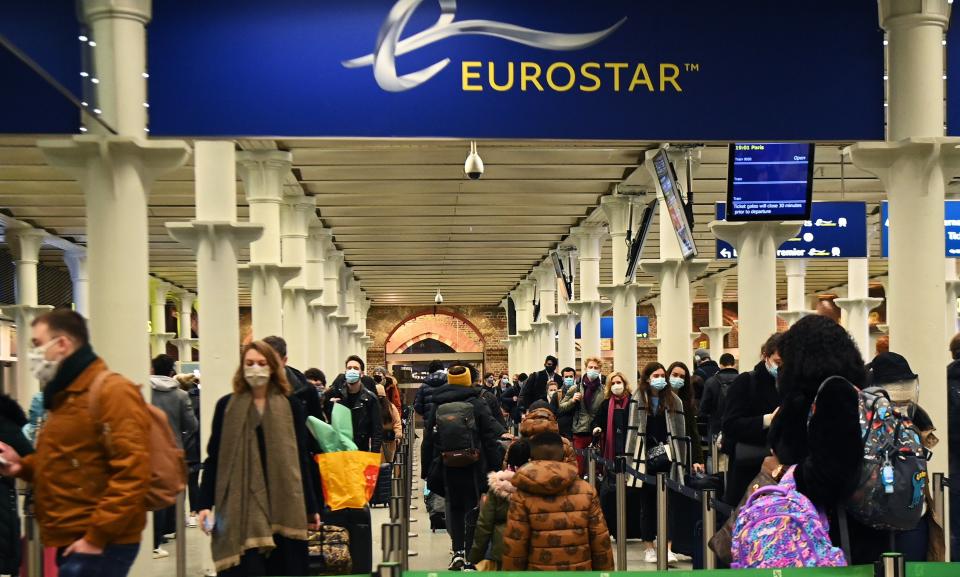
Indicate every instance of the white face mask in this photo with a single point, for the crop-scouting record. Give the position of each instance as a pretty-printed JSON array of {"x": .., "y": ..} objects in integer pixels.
[
  {"x": 41, "y": 368},
  {"x": 256, "y": 376},
  {"x": 617, "y": 389}
]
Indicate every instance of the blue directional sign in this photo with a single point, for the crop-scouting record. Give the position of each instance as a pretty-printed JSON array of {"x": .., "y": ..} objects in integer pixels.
[
  {"x": 606, "y": 328},
  {"x": 835, "y": 230},
  {"x": 951, "y": 228}
]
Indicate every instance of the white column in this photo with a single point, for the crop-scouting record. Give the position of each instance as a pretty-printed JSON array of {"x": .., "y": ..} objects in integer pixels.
[
  {"x": 565, "y": 324},
  {"x": 365, "y": 341},
  {"x": 317, "y": 242},
  {"x": 655, "y": 303},
  {"x": 294, "y": 226},
  {"x": 348, "y": 328},
  {"x": 522, "y": 300},
  {"x": 623, "y": 296},
  {"x": 510, "y": 341},
  {"x": 715, "y": 331},
  {"x": 217, "y": 238},
  {"x": 547, "y": 284},
  {"x": 796, "y": 271},
  {"x": 185, "y": 341},
  {"x": 858, "y": 304},
  {"x": 159, "y": 337},
  {"x": 76, "y": 261},
  {"x": 24, "y": 244},
  {"x": 589, "y": 307},
  {"x": 332, "y": 296},
  {"x": 953, "y": 293},
  {"x": 263, "y": 172},
  {"x": 756, "y": 244}
]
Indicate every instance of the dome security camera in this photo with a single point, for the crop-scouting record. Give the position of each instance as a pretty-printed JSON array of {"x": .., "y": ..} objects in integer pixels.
[{"x": 473, "y": 167}]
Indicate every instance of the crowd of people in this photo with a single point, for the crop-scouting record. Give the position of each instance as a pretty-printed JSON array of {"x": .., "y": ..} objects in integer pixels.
[{"x": 508, "y": 453}]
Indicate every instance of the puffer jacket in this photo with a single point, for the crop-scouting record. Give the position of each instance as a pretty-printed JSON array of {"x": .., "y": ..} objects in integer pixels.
[
  {"x": 543, "y": 421},
  {"x": 423, "y": 400},
  {"x": 555, "y": 522},
  {"x": 582, "y": 414},
  {"x": 493, "y": 518}
]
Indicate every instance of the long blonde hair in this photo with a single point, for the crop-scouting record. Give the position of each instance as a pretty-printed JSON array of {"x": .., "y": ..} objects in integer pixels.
[{"x": 627, "y": 389}]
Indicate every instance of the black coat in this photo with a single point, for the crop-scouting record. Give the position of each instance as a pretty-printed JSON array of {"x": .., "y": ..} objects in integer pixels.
[
  {"x": 305, "y": 393},
  {"x": 191, "y": 446},
  {"x": 489, "y": 432},
  {"x": 953, "y": 418},
  {"x": 710, "y": 406},
  {"x": 308, "y": 470},
  {"x": 12, "y": 421},
  {"x": 421, "y": 403},
  {"x": 490, "y": 396},
  {"x": 535, "y": 389},
  {"x": 367, "y": 426}
]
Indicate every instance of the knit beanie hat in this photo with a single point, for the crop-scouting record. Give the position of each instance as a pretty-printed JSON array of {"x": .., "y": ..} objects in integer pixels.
[{"x": 459, "y": 376}]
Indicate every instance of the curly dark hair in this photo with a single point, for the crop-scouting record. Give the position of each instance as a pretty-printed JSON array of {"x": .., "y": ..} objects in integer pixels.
[{"x": 814, "y": 348}]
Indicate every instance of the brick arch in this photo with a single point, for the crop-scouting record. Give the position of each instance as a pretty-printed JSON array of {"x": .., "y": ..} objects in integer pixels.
[{"x": 407, "y": 332}]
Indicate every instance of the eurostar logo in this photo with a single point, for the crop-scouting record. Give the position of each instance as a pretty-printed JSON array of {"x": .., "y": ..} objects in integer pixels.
[{"x": 390, "y": 45}]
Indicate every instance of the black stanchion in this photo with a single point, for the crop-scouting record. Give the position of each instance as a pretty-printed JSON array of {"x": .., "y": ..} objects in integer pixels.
[{"x": 709, "y": 516}]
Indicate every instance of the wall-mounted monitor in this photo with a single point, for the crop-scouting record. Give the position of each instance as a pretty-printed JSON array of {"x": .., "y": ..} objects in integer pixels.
[
  {"x": 567, "y": 280},
  {"x": 769, "y": 181},
  {"x": 667, "y": 182},
  {"x": 638, "y": 240}
]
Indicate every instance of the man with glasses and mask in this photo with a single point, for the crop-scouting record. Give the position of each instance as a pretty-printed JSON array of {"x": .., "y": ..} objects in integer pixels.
[{"x": 89, "y": 497}]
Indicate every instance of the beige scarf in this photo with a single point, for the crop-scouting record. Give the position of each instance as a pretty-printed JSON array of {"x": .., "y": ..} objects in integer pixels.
[{"x": 250, "y": 507}]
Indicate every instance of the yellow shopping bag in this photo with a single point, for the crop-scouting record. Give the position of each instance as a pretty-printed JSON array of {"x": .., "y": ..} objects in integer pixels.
[{"x": 348, "y": 478}]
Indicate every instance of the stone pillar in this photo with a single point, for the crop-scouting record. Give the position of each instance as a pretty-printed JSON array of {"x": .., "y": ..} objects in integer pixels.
[
  {"x": 185, "y": 341},
  {"x": 332, "y": 295},
  {"x": 858, "y": 304},
  {"x": 295, "y": 214},
  {"x": 565, "y": 324},
  {"x": 623, "y": 296},
  {"x": 263, "y": 172},
  {"x": 317, "y": 242},
  {"x": 953, "y": 293},
  {"x": 756, "y": 244},
  {"x": 522, "y": 299},
  {"x": 715, "y": 331},
  {"x": 547, "y": 285},
  {"x": 76, "y": 261},
  {"x": 24, "y": 243},
  {"x": 348, "y": 308},
  {"x": 796, "y": 270},
  {"x": 589, "y": 307},
  {"x": 365, "y": 341},
  {"x": 159, "y": 337}
]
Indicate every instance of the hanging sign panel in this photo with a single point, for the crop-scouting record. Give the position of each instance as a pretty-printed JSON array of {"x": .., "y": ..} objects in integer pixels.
[
  {"x": 835, "y": 230},
  {"x": 951, "y": 228},
  {"x": 606, "y": 328},
  {"x": 572, "y": 69}
]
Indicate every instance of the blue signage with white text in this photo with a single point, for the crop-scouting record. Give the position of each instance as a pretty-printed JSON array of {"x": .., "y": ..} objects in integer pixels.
[
  {"x": 567, "y": 69},
  {"x": 951, "y": 228},
  {"x": 835, "y": 230},
  {"x": 606, "y": 328}
]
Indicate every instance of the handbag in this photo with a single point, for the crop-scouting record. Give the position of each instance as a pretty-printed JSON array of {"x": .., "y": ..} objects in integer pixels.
[
  {"x": 658, "y": 460},
  {"x": 722, "y": 541},
  {"x": 329, "y": 550}
]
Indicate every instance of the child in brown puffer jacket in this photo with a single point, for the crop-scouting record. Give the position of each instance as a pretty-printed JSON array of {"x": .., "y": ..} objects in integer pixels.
[
  {"x": 488, "y": 536},
  {"x": 540, "y": 419},
  {"x": 554, "y": 522}
]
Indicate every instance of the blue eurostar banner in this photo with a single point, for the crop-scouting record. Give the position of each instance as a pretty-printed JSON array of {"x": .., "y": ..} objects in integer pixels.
[
  {"x": 606, "y": 328},
  {"x": 835, "y": 230},
  {"x": 571, "y": 69},
  {"x": 951, "y": 228}
]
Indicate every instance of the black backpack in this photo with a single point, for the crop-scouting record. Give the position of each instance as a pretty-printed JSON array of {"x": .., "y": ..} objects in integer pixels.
[
  {"x": 725, "y": 381},
  {"x": 456, "y": 435}
]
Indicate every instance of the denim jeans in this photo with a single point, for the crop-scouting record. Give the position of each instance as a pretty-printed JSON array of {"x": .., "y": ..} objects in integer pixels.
[{"x": 115, "y": 561}]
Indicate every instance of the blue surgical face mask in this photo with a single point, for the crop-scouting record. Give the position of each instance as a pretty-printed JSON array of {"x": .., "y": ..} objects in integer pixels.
[
  {"x": 352, "y": 376},
  {"x": 773, "y": 370},
  {"x": 568, "y": 381},
  {"x": 658, "y": 383},
  {"x": 676, "y": 382},
  {"x": 593, "y": 375}
]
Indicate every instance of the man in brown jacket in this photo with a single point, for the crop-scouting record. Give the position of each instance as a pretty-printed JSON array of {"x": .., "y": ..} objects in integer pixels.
[
  {"x": 90, "y": 477},
  {"x": 554, "y": 522}
]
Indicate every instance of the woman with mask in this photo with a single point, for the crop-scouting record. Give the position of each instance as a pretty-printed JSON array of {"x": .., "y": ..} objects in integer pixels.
[
  {"x": 612, "y": 437},
  {"x": 751, "y": 404},
  {"x": 656, "y": 417},
  {"x": 392, "y": 425},
  {"x": 584, "y": 401},
  {"x": 257, "y": 503},
  {"x": 381, "y": 377},
  {"x": 679, "y": 378}
]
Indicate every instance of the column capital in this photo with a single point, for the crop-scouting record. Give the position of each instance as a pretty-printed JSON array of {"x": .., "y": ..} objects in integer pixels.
[
  {"x": 195, "y": 232},
  {"x": 886, "y": 160},
  {"x": 25, "y": 243},
  {"x": 715, "y": 286},
  {"x": 633, "y": 291},
  {"x": 616, "y": 208},
  {"x": 546, "y": 276},
  {"x": 657, "y": 267},
  {"x": 263, "y": 172},
  {"x": 159, "y": 289},
  {"x": 594, "y": 231},
  {"x": 294, "y": 216},
  {"x": 185, "y": 296},
  {"x": 865, "y": 304},
  {"x": 791, "y": 317},
  {"x": 139, "y": 10},
  {"x": 76, "y": 261},
  {"x": 899, "y": 14},
  {"x": 86, "y": 157}
]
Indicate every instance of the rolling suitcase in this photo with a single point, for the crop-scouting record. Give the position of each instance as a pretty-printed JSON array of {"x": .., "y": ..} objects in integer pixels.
[{"x": 357, "y": 524}]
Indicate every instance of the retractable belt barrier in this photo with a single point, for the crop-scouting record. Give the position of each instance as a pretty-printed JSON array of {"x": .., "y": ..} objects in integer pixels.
[{"x": 881, "y": 570}]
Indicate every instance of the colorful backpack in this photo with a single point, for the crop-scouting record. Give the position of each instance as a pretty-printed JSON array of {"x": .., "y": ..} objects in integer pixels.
[{"x": 780, "y": 527}]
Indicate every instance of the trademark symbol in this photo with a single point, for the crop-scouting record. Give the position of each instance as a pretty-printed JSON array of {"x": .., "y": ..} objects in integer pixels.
[{"x": 692, "y": 67}]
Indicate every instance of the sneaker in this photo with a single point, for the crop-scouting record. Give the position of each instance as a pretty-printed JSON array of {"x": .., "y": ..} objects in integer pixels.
[
  {"x": 650, "y": 556},
  {"x": 159, "y": 553},
  {"x": 192, "y": 521},
  {"x": 170, "y": 536},
  {"x": 469, "y": 567},
  {"x": 457, "y": 562},
  {"x": 672, "y": 558}
]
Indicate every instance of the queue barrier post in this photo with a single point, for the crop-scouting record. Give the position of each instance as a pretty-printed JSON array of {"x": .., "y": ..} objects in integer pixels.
[
  {"x": 621, "y": 504},
  {"x": 890, "y": 565},
  {"x": 389, "y": 570},
  {"x": 714, "y": 456},
  {"x": 939, "y": 504},
  {"x": 663, "y": 540},
  {"x": 181, "y": 531},
  {"x": 390, "y": 542},
  {"x": 709, "y": 516},
  {"x": 34, "y": 545},
  {"x": 591, "y": 468}
]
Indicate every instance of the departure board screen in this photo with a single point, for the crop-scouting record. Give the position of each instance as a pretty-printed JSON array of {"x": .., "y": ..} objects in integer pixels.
[
  {"x": 769, "y": 181},
  {"x": 674, "y": 203}
]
